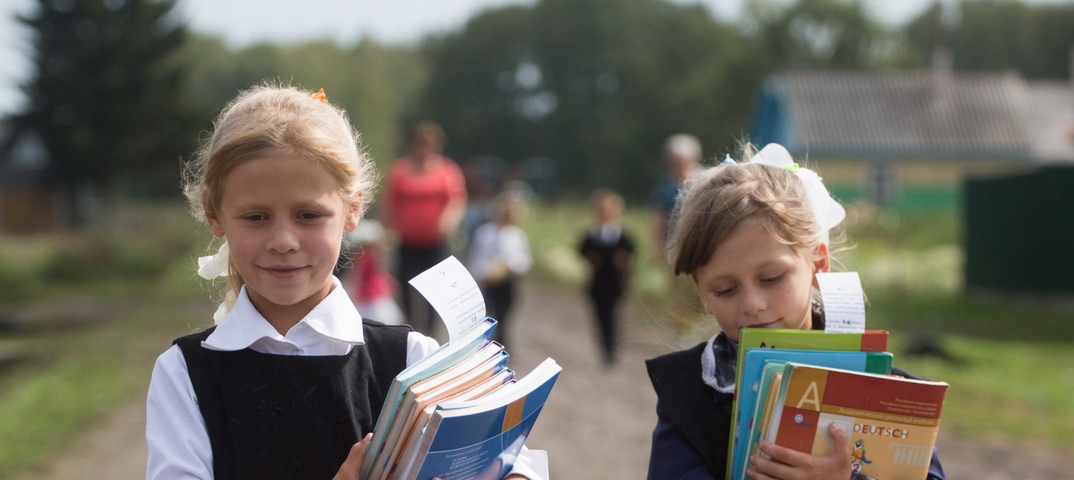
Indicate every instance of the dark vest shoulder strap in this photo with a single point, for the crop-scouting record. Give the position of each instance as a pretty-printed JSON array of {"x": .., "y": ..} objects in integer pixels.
[
  {"x": 194, "y": 338},
  {"x": 387, "y": 347},
  {"x": 700, "y": 413}
]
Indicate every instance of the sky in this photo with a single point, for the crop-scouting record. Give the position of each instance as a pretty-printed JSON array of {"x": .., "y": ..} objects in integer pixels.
[{"x": 243, "y": 22}]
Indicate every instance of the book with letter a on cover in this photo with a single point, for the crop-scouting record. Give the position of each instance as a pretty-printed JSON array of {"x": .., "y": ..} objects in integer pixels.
[
  {"x": 751, "y": 374},
  {"x": 891, "y": 421},
  {"x": 751, "y": 338}
]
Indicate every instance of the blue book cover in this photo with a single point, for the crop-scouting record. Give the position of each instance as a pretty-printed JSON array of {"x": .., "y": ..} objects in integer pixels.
[
  {"x": 439, "y": 360},
  {"x": 481, "y": 438},
  {"x": 750, "y": 374}
]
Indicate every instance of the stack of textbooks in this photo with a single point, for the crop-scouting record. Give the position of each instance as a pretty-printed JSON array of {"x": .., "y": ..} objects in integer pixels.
[
  {"x": 791, "y": 384},
  {"x": 458, "y": 413}
]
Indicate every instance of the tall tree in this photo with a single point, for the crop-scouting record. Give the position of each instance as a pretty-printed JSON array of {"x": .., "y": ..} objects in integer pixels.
[
  {"x": 106, "y": 97},
  {"x": 816, "y": 33},
  {"x": 594, "y": 85},
  {"x": 376, "y": 84},
  {"x": 1035, "y": 40}
]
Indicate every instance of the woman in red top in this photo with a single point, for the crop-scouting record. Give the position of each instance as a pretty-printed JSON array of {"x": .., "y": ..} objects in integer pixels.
[{"x": 425, "y": 200}]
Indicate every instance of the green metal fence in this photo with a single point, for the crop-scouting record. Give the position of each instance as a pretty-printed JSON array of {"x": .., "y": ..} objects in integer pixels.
[{"x": 1020, "y": 232}]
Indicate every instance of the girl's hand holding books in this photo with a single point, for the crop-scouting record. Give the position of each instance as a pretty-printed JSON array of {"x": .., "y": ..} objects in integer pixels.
[
  {"x": 787, "y": 464},
  {"x": 350, "y": 470}
]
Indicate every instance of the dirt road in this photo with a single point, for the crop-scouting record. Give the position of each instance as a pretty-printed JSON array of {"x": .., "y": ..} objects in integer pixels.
[{"x": 596, "y": 424}]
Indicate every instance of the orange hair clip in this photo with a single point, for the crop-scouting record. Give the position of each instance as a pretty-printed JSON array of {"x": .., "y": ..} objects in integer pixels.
[{"x": 320, "y": 96}]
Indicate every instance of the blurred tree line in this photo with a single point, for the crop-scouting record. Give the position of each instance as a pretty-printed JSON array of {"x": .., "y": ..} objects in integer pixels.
[
  {"x": 590, "y": 88},
  {"x": 103, "y": 99}
]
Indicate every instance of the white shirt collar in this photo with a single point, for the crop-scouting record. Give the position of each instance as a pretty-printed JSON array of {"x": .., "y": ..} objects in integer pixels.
[
  {"x": 609, "y": 232},
  {"x": 335, "y": 318}
]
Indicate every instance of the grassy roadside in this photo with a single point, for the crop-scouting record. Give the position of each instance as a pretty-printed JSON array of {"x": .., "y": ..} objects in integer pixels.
[
  {"x": 71, "y": 375},
  {"x": 1011, "y": 359},
  {"x": 86, "y": 315}
]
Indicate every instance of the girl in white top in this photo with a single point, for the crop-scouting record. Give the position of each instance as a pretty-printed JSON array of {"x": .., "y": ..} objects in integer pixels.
[
  {"x": 280, "y": 181},
  {"x": 499, "y": 255}
]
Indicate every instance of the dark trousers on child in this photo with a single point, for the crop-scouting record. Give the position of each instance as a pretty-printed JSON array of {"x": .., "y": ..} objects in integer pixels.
[
  {"x": 498, "y": 300},
  {"x": 606, "y": 304},
  {"x": 412, "y": 261}
]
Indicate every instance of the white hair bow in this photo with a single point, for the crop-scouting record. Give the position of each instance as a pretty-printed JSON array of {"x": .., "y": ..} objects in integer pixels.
[
  {"x": 827, "y": 211},
  {"x": 212, "y": 267}
]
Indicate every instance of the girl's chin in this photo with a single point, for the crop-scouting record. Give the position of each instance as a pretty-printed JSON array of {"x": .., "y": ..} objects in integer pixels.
[{"x": 775, "y": 324}]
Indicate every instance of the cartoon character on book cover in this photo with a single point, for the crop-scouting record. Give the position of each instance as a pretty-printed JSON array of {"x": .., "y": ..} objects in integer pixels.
[{"x": 858, "y": 453}]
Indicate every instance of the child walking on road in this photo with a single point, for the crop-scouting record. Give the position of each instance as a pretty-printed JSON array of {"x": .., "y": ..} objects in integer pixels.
[
  {"x": 609, "y": 252},
  {"x": 499, "y": 256}
]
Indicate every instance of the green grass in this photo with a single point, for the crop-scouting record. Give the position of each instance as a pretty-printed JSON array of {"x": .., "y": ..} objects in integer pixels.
[
  {"x": 74, "y": 374},
  {"x": 41, "y": 412},
  {"x": 1005, "y": 389},
  {"x": 140, "y": 244}
]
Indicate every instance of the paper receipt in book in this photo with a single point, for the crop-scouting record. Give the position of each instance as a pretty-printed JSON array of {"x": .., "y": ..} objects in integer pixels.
[
  {"x": 844, "y": 302},
  {"x": 454, "y": 294}
]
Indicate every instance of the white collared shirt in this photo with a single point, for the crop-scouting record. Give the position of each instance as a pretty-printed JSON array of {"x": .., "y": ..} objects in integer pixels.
[
  {"x": 493, "y": 242},
  {"x": 609, "y": 233},
  {"x": 176, "y": 434}
]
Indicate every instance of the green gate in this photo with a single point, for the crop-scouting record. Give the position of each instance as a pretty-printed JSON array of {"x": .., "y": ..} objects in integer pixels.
[{"x": 1020, "y": 232}]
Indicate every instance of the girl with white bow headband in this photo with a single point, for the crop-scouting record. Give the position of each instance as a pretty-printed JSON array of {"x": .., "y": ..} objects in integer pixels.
[{"x": 752, "y": 235}]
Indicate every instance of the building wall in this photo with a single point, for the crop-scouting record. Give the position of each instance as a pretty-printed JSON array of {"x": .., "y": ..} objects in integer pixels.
[
  {"x": 912, "y": 185},
  {"x": 27, "y": 211}
]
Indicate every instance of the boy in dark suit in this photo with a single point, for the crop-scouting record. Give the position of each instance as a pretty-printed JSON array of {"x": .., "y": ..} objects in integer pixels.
[{"x": 609, "y": 252}]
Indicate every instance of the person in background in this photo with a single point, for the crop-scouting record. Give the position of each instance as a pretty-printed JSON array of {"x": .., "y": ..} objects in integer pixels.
[
  {"x": 371, "y": 287},
  {"x": 609, "y": 252},
  {"x": 499, "y": 256},
  {"x": 425, "y": 199},
  {"x": 682, "y": 156},
  {"x": 752, "y": 237}
]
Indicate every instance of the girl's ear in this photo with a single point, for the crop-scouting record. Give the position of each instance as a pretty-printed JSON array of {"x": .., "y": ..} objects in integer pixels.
[
  {"x": 214, "y": 224},
  {"x": 212, "y": 217},
  {"x": 354, "y": 213},
  {"x": 821, "y": 262}
]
